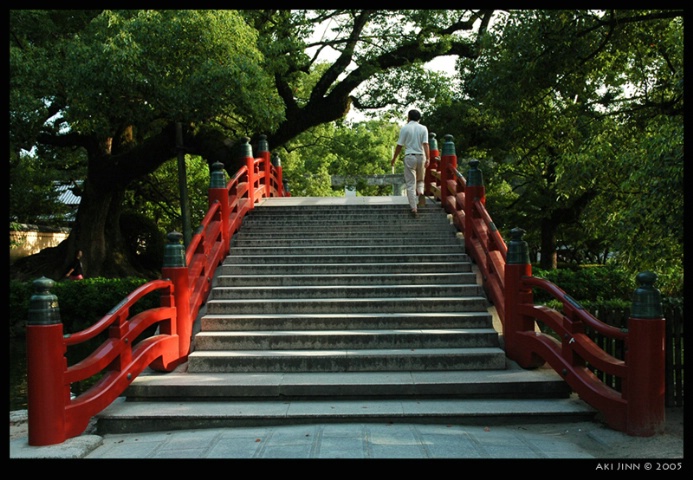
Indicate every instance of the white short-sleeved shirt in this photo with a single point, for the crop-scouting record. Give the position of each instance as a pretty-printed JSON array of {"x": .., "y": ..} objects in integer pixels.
[{"x": 412, "y": 136}]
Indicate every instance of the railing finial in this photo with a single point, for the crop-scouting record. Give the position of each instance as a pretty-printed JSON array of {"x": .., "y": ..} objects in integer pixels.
[
  {"x": 518, "y": 252},
  {"x": 217, "y": 176},
  {"x": 43, "y": 305},
  {"x": 432, "y": 142},
  {"x": 246, "y": 149},
  {"x": 262, "y": 145},
  {"x": 647, "y": 302},
  {"x": 174, "y": 251},
  {"x": 449, "y": 145},
  {"x": 474, "y": 176}
]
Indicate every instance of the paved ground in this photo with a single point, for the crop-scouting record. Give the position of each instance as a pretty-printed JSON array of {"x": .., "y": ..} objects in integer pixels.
[
  {"x": 593, "y": 445},
  {"x": 586, "y": 441}
]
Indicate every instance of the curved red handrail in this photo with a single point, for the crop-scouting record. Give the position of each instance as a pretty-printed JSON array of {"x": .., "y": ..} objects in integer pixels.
[
  {"x": 569, "y": 356},
  {"x": 118, "y": 312},
  {"x": 123, "y": 355}
]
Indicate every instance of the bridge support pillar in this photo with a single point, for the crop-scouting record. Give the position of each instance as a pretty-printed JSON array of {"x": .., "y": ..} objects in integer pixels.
[
  {"x": 46, "y": 365},
  {"x": 518, "y": 266},
  {"x": 646, "y": 357}
]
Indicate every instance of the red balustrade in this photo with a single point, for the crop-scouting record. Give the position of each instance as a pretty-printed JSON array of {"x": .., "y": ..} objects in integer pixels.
[
  {"x": 54, "y": 415},
  {"x": 506, "y": 272}
]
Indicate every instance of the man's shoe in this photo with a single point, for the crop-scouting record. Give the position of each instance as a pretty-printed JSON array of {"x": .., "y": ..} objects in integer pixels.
[
  {"x": 422, "y": 201},
  {"x": 415, "y": 214}
]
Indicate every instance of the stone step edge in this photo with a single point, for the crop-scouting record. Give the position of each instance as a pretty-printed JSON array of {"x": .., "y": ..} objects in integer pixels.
[
  {"x": 347, "y": 352},
  {"x": 353, "y": 332},
  {"x": 132, "y": 417}
]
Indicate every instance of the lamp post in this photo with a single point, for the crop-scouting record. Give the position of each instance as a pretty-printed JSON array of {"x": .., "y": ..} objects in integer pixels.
[{"x": 183, "y": 186}]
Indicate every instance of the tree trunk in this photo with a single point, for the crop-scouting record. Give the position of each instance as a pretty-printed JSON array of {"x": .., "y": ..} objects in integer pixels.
[
  {"x": 549, "y": 258},
  {"x": 96, "y": 231}
]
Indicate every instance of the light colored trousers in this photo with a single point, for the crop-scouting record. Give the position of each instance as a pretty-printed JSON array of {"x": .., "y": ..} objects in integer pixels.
[{"x": 414, "y": 171}]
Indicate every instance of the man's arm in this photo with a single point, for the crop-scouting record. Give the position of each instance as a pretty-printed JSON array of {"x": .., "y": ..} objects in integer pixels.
[{"x": 398, "y": 149}]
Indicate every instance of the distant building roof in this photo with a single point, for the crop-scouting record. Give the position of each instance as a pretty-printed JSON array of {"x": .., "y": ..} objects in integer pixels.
[{"x": 67, "y": 196}]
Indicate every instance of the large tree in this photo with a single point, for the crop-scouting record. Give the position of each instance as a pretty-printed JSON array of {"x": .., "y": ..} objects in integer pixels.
[
  {"x": 572, "y": 103},
  {"x": 114, "y": 85}
]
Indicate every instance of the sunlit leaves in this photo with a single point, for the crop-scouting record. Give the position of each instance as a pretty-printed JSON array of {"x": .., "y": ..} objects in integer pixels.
[
  {"x": 136, "y": 66},
  {"x": 588, "y": 100}
]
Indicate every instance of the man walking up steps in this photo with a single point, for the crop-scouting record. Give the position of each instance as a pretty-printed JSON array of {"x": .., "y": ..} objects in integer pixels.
[{"x": 413, "y": 138}]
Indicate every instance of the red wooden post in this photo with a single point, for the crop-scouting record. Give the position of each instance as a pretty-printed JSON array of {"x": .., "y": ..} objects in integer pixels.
[
  {"x": 473, "y": 190},
  {"x": 47, "y": 394},
  {"x": 280, "y": 181},
  {"x": 219, "y": 193},
  {"x": 517, "y": 265},
  {"x": 263, "y": 151},
  {"x": 645, "y": 358},
  {"x": 252, "y": 177},
  {"x": 174, "y": 268},
  {"x": 276, "y": 161},
  {"x": 433, "y": 164},
  {"x": 448, "y": 161}
]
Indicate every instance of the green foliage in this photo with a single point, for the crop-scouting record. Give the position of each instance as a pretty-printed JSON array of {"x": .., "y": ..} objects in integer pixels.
[
  {"x": 157, "y": 195},
  {"x": 312, "y": 158},
  {"x": 144, "y": 240},
  {"x": 81, "y": 303},
  {"x": 33, "y": 198},
  {"x": 18, "y": 303},
  {"x": 589, "y": 283},
  {"x": 175, "y": 59},
  {"x": 578, "y": 119}
]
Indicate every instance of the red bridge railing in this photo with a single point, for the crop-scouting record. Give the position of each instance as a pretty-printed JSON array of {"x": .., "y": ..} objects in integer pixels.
[
  {"x": 54, "y": 415},
  {"x": 638, "y": 407}
]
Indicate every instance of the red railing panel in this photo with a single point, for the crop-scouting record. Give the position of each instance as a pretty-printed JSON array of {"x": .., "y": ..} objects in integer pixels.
[
  {"x": 576, "y": 354},
  {"x": 121, "y": 360}
]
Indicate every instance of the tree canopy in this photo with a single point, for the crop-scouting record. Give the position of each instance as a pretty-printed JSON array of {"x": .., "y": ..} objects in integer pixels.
[
  {"x": 578, "y": 118},
  {"x": 109, "y": 86},
  {"x": 577, "y": 115}
]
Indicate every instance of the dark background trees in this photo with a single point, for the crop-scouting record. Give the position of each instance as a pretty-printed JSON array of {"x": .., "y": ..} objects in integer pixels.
[
  {"x": 113, "y": 84},
  {"x": 576, "y": 116}
]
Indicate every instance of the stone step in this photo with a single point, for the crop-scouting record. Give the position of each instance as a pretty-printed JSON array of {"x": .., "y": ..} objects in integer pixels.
[
  {"x": 425, "y": 278},
  {"x": 348, "y": 305},
  {"x": 346, "y": 339},
  {"x": 347, "y": 320},
  {"x": 400, "y": 212},
  {"x": 384, "y": 224},
  {"x": 341, "y": 292},
  {"x": 271, "y": 249},
  {"x": 159, "y": 416},
  {"x": 346, "y": 360},
  {"x": 342, "y": 268},
  {"x": 511, "y": 382},
  {"x": 431, "y": 242},
  {"x": 366, "y": 227},
  {"x": 397, "y": 258},
  {"x": 395, "y": 214}
]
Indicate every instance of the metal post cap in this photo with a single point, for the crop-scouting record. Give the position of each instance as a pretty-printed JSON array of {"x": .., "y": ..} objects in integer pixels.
[
  {"x": 246, "y": 149},
  {"x": 518, "y": 252},
  {"x": 217, "y": 177},
  {"x": 43, "y": 305},
  {"x": 432, "y": 142},
  {"x": 474, "y": 175},
  {"x": 449, "y": 145},
  {"x": 174, "y": 251},
  {"x": 263, "y": 146},
  {"x": 647, "y": 302}
]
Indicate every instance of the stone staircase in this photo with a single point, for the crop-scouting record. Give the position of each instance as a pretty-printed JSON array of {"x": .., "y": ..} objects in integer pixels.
[{"x": 344, "y": 312}]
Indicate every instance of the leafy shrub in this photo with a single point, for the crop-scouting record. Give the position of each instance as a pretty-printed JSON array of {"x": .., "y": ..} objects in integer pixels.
[
  {"x": 82, "y": 303},
  {"x": 591, "y": 283}
]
